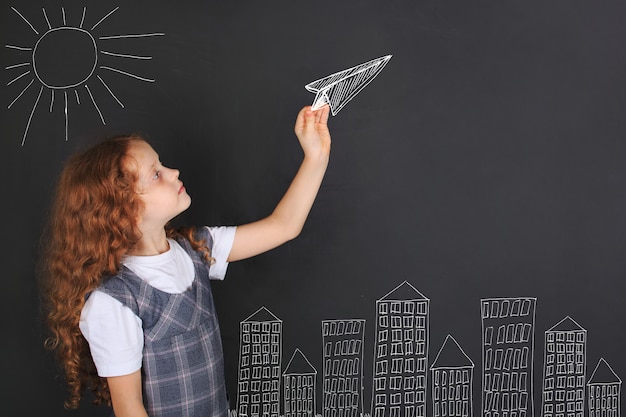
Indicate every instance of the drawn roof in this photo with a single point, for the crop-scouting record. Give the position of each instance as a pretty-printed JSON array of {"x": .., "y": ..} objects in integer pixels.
[
  {"x": 603, "y": 374},
  {"x": 339, "y": 88},
  {"x": 566, "y": 325},
  {"x": 261, "y": 315},
  {"x": 299, "y": 365},
  {"x": 404, "y": 291},
  {"x": 451, "y": 356}
]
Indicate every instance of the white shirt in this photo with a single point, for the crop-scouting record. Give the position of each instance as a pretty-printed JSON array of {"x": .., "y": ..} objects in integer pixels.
[{"x": 114, "y": 332}]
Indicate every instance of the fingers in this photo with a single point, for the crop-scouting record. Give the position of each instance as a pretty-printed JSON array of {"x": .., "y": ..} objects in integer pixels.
[
  {"x": 308, "y": 118},
  {"x": 300, "y": 122},
  {"x": 321, "y": 115}
]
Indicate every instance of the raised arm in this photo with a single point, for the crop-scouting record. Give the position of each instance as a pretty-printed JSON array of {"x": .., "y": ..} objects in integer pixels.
[{"x": 287, "y": 219}]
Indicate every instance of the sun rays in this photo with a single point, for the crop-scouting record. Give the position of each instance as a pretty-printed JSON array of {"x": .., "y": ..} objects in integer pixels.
[{"x": 44, "y": 64}]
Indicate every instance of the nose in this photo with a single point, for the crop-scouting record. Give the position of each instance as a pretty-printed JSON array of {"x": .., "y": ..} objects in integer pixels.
[{"x": 174, "y": 173}]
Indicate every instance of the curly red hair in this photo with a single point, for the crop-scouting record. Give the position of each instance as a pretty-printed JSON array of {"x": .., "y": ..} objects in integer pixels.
[{"x": 93, "y": 224}]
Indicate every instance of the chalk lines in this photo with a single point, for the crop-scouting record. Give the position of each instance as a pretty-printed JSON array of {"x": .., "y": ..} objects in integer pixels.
[
  {"x": 401, "y": 366},
  {"x": 339, "y": 88},
  {"x": 48, "y": 64}
]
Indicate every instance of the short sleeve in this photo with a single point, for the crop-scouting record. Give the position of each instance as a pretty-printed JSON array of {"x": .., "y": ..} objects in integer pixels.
[
  {"x": 223, "y": 238},
  {"x": 114, "y": 334}
]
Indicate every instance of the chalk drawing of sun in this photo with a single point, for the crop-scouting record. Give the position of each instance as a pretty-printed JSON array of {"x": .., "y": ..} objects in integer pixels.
[{"x": 56, "y": 45}]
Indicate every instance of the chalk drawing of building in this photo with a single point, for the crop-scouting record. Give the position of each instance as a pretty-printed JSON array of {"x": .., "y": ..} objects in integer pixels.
[
  {"x": 260, "y": 365},
  {"x": 342, "y": 342},
  {"x": 401, "y": 353},
  {"x": 604, "y": 391},
  {"x": 299, "y": 382},
  {"x": 452, "y": 376},
  {"x": 508, "y": 326},
  {"x": 564, "y": 370}
]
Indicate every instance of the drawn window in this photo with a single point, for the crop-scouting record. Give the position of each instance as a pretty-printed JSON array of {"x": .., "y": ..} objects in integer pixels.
[
  {"x": 497, "y": 363},
  {"x": 527, "y": 331},
  {"x": 519, "y": 332},
  {"x": 396, "y": 335},
  {"x": 395, "y": 383},
  {"x": 515, "y": 308},
  {"x": 501, "y": 331},
  {"x": 485, "y": 310},
  {"x": 495, "y": 382},
  {"x": 507, "y": 359},
  {"x": 506, "y": 381},
  {"x": 381, "y": 367},
  {"x": 409, "y": 334},
  {"x": 522, "y": 382},
  {"x": 396, "y": 366},
  {"x": 409, "y": 383},
  {"x": 382, "y": 308},
  {"x": 510, "y": 329},
  {"x": 495, "y": 309},
  {"x": 488, "y": 335},
  {"x": 341, "y": 326},
  {"x": 409, "y": 365},
  {"x": 380, "y": 384},
  {"x": 349, "y": 327},
  {"x": 524, "y": 360},
  {"x": 409, "y": 398},
  {"x": 396, "y": 308},
  {"x": 421, "y": 307},
  {"x": 505, "y": 308},
  {"x": 382, "y": 335},
  {"x": 525, "y": 308},
  {"x": 409, "y": 307}
]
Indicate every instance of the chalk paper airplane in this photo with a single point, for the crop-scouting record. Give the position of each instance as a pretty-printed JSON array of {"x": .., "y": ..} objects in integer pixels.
[{"x": 338, "y": 89}]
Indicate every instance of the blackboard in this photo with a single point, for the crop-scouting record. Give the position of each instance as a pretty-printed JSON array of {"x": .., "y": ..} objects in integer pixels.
[{"x": 483, "y": 167}]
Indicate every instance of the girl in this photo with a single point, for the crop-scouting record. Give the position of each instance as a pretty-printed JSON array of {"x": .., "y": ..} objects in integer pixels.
[{"x": 128, "y": 298}]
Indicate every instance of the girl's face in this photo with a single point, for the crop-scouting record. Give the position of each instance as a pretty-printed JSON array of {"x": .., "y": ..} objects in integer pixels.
[{"x": 163, "y": 194}]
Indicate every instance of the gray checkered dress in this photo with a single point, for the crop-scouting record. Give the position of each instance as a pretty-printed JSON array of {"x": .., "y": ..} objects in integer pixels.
[{"x": 183, "y": 363}]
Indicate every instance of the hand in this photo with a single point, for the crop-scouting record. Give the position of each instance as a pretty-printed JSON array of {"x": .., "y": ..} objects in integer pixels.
[
  {"x": 312, "y": 131},
  {"x": 287, "y": 219}
]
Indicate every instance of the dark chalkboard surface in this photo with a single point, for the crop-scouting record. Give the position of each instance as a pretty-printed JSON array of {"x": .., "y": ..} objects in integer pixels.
[{"x": 468, "y": 238}]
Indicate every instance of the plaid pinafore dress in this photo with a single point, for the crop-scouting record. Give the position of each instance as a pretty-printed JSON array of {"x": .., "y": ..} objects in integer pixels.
[{"x": 183, "y": 363}]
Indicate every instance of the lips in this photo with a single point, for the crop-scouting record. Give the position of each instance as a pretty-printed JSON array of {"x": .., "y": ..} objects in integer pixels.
[{"x": 181, "y": 189}]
